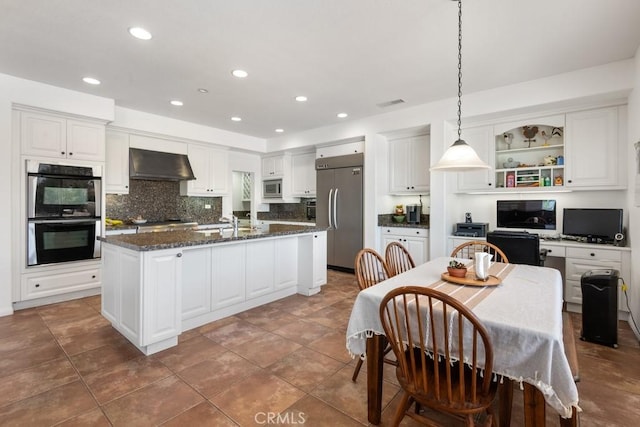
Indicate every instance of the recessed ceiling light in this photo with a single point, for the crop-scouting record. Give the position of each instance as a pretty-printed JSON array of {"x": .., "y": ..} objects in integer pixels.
[
  {"x": 177, "y": 103},
  {"x": 140, "y": 33},
  {"x": 301, "y": 98},
  {"x": 203, "y": 90},
  {"x": 91, "y": 80},
  {"x": 279, "y": 130},
  {"x": 241, "y": 74},
  {"x": 236, "y": 119},
  {"x": 342, "y": 115}
]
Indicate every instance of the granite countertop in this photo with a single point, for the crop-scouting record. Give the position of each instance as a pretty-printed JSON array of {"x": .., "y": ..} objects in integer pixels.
[
  {"x": 179, "y": 239},
  {"x": 386, "y": 220}
]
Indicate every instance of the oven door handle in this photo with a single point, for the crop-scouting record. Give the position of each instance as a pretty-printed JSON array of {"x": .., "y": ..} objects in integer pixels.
[{"x": 64, "y": 221}]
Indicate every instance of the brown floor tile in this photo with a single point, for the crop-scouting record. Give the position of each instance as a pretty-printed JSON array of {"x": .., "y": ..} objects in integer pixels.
[
  {"x": 268, "y": 318},
  {"x": 217, "y": 374},
  {"x": 255, "y": 395},
  {"x": 202, "y": 415},
  {"x": 334, "y": 344},
  {"x": 313, "y": 412},
  {"x": 189, "y": 353},
  {"x": 266, "y": 349},
  {"x": 331, "y": 317},
  {"x": 186, "y": 336},
  {"x": 29, "y": 357},
  {"x": 21, "y": 322},
  {"x": 235, "y": 333},
  {"x": 302, "y": 332},
  {"x": 216, "y": 324},
  {"x": 94, "y": 302},
  {"x": 349, "y": 397},
  {"x": 25, "y": 340},
  {"x": 65, "y": 312},
  {"x": 50, "y": 407},
  {"x": 153, "y": 404},
  {"x": 93, "y": 418},
  {"x": 117, "y": 380},
  {"x": 79, "y": 326},
  {"x": 35, "y": 380},
  {"x": 102, "y": 336},
  {"x": 305, "y": 368},
  {"x": 104, "y": 357}
]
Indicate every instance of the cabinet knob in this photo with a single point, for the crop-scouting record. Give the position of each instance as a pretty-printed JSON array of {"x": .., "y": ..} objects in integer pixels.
[
  {"x": 37, "y": 285},
  {"x": 569, "y": 181},
  {"x": 592, "y": 254},
  {"x": 490, "y": 184},
  {"x": 179, "y": 254},
  {"x": 126, "y": 186},
  {"x": 62, "y": 152},
  {"x": 71, "y": 154},
  {"x": 93, "y": 276}
]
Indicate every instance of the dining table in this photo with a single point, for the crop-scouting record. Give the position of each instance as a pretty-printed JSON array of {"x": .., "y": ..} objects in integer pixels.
[{"x": 521, "y": 309}]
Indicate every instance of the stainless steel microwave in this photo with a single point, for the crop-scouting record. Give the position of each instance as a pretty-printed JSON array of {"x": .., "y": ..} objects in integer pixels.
[{"x": 272, "y": 188}]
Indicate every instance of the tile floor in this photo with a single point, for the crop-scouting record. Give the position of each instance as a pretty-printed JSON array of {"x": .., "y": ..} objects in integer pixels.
[{"x": 64, "y": 365}]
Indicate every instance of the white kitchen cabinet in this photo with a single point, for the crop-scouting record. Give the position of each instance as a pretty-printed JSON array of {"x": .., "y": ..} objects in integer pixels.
[
  {"x": 593, "y": 150},
  {"x": 144, "y": 298},
  {"x": 481, "y": 139},
  {"x": 312, "y": 270},
  {"x": 319, "y": 259},
  {"x": 409, "y": 161},
  {"x": 58, "y": 137},
  {"x": 161, "y": 296},
  {"x": 303, "y": 175},
  {"x": 415, "y": 240},
  {"x": 196, "y": 282},
  {"x": 117, "y": 162},
  {"x": 210, "y": 167},
  {"x": 582, "y": 259},
  {"x": 274, "y": 166},
  {"x": 229, "y": 265},
  {"x": 45, "y": 282},
  {"x": 285, "y": 260},
  {"x": 260, "y": 276},
  {"x": 340, "y": 149}
]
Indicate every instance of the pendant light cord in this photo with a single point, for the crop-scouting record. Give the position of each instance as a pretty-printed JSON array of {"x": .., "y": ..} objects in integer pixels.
[{"x": 459, "y": 68}]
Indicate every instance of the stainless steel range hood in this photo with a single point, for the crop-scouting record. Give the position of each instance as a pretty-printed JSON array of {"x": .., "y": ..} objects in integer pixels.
[{"x": 159, "y": 166}]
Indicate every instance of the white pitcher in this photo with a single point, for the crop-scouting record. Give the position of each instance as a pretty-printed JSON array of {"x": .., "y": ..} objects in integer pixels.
[{"x": 483, "y": 261}]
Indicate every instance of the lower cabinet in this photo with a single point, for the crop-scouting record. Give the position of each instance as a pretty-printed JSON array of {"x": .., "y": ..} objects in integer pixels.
[
  {"x": 228, "y": 275},
  {"x": 580, "y": 260},
  {"x": 415, "y": 240},
  {"x": 48, "y": 282}
]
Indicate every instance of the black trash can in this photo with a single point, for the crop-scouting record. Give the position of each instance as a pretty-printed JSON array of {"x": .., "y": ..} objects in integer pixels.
[{"x": 600, "y": 307}]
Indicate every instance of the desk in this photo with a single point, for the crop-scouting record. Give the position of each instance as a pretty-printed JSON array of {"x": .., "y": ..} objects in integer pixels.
[{"x": 523, "y": 317}]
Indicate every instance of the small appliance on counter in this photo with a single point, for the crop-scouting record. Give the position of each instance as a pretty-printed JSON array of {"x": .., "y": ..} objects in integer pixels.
[
  {"x": 471, "y": 229},
  {"x": 413, "y": 214}
]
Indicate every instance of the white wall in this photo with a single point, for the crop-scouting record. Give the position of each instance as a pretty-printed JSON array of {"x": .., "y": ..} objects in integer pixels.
[
  {"x": 575, "y": 89},
  {"x": 633, "y": 136}
]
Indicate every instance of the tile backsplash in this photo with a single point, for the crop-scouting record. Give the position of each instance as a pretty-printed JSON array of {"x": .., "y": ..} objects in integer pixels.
[{"x": 160, "y": 201}]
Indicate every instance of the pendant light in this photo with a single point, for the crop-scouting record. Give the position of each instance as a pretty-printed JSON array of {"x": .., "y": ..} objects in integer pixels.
[{"x": 460, "y": 156}]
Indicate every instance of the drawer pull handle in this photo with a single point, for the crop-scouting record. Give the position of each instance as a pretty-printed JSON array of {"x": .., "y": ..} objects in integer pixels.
[
  {"x": 592, "y": 254},
  {"x": 179, "y": 255}
]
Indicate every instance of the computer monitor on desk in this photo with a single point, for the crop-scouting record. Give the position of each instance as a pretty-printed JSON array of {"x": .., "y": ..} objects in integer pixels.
[{"x": 520, "y": 247}]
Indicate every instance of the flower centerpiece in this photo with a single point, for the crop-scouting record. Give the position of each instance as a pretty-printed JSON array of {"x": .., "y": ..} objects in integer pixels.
[{"x": 456, "y": 269}]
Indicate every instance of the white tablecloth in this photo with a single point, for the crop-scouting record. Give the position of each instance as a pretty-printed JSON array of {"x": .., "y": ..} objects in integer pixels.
[{"x": 523, "y": 316}]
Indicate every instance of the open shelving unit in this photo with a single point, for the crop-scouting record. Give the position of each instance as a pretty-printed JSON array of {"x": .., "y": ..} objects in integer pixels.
[{"x": 523, "y": 163}]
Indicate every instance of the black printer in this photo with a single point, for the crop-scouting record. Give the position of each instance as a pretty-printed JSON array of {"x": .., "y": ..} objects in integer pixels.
[{"x": 471, "y": 229}]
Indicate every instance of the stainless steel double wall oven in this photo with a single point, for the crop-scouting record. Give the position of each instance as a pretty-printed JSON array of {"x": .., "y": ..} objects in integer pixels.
[{"x": 63, "y": 213}]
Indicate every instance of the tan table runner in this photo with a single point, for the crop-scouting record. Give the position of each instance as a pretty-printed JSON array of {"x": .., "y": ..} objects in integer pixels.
[{"x": 472, "y": 295}]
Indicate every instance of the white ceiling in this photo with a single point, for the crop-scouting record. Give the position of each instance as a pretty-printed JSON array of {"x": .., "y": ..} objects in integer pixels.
[{"x": 345, "y": 55}]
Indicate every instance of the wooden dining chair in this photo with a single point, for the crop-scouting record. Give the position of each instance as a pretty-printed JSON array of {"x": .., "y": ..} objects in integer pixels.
[
  {"x": 370, "y": 269},
  {"x": 398, "y": 258},
  {"x": 468, "y": 250},
  {"x": 421, "y": 322}
]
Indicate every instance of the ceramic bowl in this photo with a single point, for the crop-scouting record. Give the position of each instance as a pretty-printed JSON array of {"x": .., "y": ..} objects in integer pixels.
[
  {"x": 139, "y": 221},
  {"x": 457, "y": 272},
  {"x": 399, "y": 218}
]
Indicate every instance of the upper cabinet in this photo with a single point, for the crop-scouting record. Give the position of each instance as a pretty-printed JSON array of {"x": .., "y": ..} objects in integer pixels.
[
  {"x": 273, "y": 166},
  {"x": 593, "y": 149},
  {"x": 117, "y": 162},
  {"x": 530, "y": 154},
  {"x": 304, "y": 175},
  {"x": 62, "y": 138},
  {"x": 480, "y": 138},
  {"x": 409, "y": 161},
  {"x": 210, "y": 167}
]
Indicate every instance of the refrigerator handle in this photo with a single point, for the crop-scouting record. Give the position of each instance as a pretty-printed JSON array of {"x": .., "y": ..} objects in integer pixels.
[
  {"x": 329, "y": 207},
  {"x": 335, "y": 209}
]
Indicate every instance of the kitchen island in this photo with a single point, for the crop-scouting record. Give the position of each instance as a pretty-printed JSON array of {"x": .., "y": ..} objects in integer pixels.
[{"x": 157, "y": 285}]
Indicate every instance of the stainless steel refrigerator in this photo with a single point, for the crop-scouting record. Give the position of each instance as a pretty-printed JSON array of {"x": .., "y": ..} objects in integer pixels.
[{"x": 339, "y": 207}]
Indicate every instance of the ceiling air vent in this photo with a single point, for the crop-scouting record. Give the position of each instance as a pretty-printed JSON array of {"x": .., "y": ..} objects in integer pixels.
[{"x": 391, "y": 103}]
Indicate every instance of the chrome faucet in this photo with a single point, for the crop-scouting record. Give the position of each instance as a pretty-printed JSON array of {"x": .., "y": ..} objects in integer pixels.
[{"x": 233, "y": 221}]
